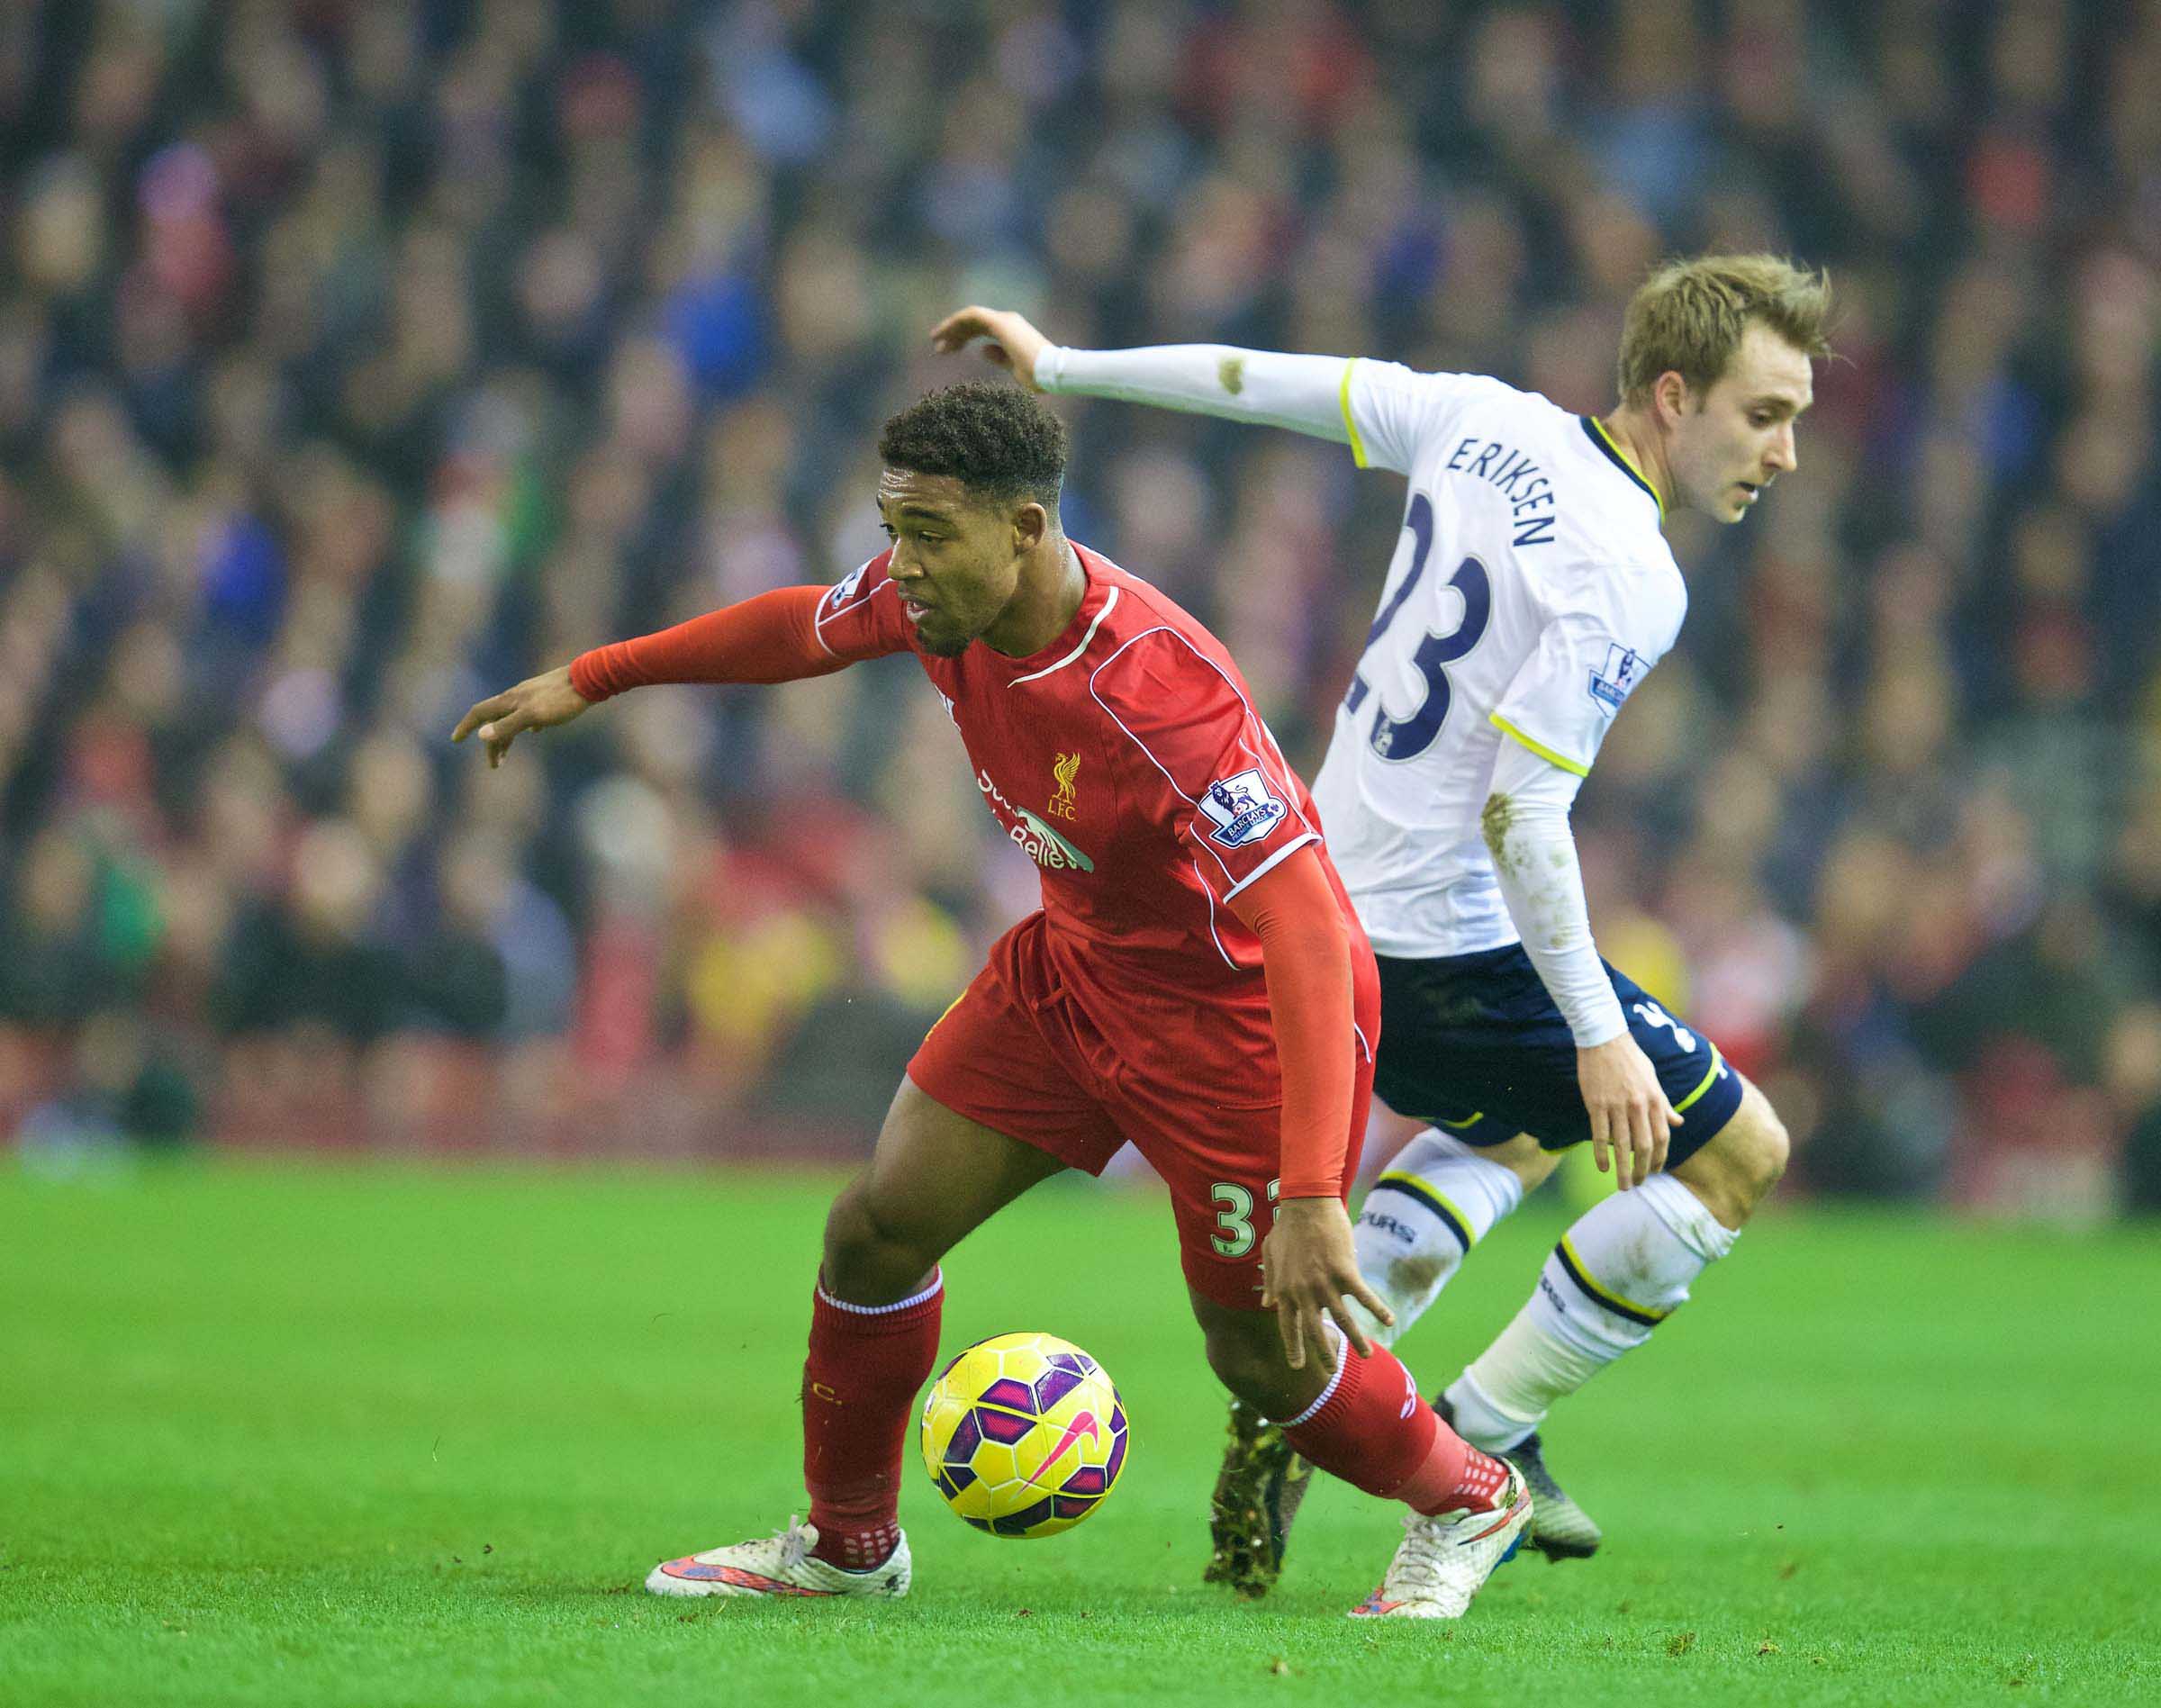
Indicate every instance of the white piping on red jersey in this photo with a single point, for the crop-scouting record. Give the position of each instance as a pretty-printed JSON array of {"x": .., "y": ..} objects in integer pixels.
[
  {"x": 826, "y": 608},
  {"x": 1213, "y": 933},
  {"x": 1063, "y": 663},
  {"x": 1272, "y": 862},
  {"x": 1290, "y": 797},
  {"x": 1160, "y": 629}
]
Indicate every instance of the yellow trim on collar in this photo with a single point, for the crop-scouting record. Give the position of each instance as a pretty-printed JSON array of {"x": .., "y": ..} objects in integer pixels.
[{"x": 1613, "y": 445}]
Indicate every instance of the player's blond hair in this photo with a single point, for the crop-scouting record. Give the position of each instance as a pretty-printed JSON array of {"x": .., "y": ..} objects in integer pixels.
[{"x": 1689, "y": 317}]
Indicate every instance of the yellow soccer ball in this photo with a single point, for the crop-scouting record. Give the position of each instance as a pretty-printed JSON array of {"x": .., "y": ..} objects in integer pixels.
[{"x": 1024, "y": 1434}]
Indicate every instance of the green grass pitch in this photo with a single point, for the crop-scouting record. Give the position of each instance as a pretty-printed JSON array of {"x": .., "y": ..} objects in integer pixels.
[{"x": 378, "y": 1435}]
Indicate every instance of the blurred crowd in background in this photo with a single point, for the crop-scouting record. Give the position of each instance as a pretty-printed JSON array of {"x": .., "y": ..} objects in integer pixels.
[{"x": 358, "y": 357}]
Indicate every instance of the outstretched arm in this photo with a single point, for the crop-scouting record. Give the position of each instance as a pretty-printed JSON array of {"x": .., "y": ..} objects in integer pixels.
[
  {"x": 773, "y": 638},
  {"x": 1309, "y": 1267},
  {"x": 1308, "y": 394},
  {"x": 1525, "y": 823}
]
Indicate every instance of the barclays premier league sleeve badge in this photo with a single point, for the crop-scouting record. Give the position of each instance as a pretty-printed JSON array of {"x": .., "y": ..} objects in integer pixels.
[
  {"x": 844, "y": 591},
  {"x": 1610, "y": 683},
  {"x": 1243, "y": 808}
]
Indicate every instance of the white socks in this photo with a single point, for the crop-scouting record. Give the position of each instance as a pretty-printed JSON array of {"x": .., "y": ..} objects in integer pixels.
[
  {"x": 1617, "y": 1273},
  {"x": 1623, "y": 1268},
  {"x": 1436, "y": 1200}
]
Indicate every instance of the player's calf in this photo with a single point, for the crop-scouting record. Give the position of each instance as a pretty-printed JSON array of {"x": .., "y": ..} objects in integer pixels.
[
  {"x": 1433, "y": 1204},
  {"x": 1436, "y": 1201},
  {"x": 1622, "y": 1270},
  {"x": 1365, "y": 1423},
  {"x": 1245, "y": 1350},
  {"x": 865, "y": 1366}
]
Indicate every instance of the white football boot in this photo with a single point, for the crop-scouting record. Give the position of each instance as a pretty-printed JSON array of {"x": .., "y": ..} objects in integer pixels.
[
  {"x": 1444, "y": 1558},
  {"x": 778, "y": 1566}
]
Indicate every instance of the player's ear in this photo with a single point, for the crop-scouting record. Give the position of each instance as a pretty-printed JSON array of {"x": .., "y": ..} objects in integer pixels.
[
  {"x": 1669, "y": 390},
  {"x": 1031, "y": 524}
]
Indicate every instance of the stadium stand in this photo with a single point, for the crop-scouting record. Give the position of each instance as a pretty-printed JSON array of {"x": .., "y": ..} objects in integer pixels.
[{"x": 357, "y": 358}]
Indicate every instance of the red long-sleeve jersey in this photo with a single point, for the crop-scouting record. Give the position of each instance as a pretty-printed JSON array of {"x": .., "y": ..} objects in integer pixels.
[{"x": 1125, "y": 759}]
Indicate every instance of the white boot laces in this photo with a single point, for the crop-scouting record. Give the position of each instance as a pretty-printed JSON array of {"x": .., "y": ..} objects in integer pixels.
[
  {"x": 1417, "y": 1563},
  {"x": 794, "y": 1543}
]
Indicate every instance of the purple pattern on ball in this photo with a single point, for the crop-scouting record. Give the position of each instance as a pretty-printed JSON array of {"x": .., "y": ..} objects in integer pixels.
[
  {"x": 1068, "y": 1506},
  {"x": 1055, "y": 1386},
  {"x": 1090, "y": 1479},
  {"x": 1117, "y": 1458},
  {"x": 1025, "y": 1520},
  {"x": 965, "y": 1439},
  {"x": 1002, "y": 1427},
  {"x": 1013, "y": 1395},
  {"x": 953, "y": 1478}
]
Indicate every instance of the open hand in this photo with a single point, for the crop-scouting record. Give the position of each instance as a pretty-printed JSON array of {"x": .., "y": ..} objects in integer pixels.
[
  {"x": 1631, "y": 1120},
  {"x": 1013, "y": 342},
  {"x": 538, "y": 702},
  {"x": 1307, "y": 1269}
]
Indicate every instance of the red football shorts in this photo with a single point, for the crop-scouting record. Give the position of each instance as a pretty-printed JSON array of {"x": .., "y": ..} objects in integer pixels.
[{"x": 1016, "y": 1054}]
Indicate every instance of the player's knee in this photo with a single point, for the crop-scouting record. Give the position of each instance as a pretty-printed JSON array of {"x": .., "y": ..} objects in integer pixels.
[
  {"x": 1530, "y": 1166},
  {"x": 1748, "y": 1160},
  {"x": 848, "y": 1236},
  {"x": 870, "y": 1248},
  {"x": 1763, "y": 1156}
]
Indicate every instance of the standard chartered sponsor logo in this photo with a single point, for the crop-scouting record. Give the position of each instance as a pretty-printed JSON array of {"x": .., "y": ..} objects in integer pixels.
[
  {"x": 1046, "y": 847},
  {"x": 1035, "y": 838}
]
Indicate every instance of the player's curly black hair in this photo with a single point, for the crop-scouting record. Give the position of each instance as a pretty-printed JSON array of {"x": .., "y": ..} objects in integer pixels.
[{"x": 996, "y": 439}]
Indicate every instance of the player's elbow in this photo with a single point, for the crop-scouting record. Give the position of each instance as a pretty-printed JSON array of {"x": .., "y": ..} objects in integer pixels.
[{"x": 1495, "y": 821}]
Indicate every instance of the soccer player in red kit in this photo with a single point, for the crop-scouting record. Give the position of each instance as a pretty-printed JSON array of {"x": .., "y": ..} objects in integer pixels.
[{"x": 1195, "y": 982}]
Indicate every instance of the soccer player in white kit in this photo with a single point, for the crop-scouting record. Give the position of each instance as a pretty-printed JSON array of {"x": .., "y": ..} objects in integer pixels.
[{"x": 1531, "y": 590}]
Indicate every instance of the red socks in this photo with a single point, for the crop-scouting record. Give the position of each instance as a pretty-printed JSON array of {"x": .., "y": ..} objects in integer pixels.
[
  {"x": 1371, "y": 1428},
  {"x": 1368, "y": 1426},
  {"x": 859, "y": 1386},
  {"x": 1456, "y": 1477}
]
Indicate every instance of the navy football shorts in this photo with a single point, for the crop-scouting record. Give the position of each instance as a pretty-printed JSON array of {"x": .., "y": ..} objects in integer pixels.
[{"x": 1473, "y": 1044}]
